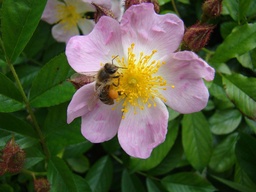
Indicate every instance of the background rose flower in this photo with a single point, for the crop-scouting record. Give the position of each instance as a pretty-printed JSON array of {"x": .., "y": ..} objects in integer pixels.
[{"x": 70, "y": 17}]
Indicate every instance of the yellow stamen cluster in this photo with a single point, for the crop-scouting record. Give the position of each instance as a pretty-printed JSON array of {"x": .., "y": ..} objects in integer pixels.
[
  {"x": 139, "y": 84},
  {"x": 68, "y": 15}
]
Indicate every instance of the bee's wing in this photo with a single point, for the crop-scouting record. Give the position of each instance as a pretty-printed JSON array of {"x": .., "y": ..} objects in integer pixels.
[{"x": 81, "y": 79}]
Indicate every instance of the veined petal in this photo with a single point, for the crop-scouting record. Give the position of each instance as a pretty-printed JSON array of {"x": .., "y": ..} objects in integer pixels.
[
  {"x": 150, "y": 31},
  {"x": 86, "y": 25},
  {"x": 50, "y": 14},
  {"x": 139, "y": 134},
  {"x": 62, "y": 33},
  {"x": 81, "y": 101},
  {"x": 102, "y": 123},
  {"x": 89, "y": 53},
  {"x": 186, "y": 91}
]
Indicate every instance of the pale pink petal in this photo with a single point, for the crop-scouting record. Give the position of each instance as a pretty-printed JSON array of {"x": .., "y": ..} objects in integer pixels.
[
  {"x": 81, "y": 102},
  {"x": 117, "y": 8},
  {"x": 102, "y": 123},
  {"x": 186, "y": 91},
  {"x": 62, "y": 33},
  {"x": 81, "y": 6},
  {"x": 50, "y": 14},
  {"x": 140, "y": 133},
  {"x": 150, "y": 31},
  {"x": 86, "y": 25},
  {"x": 90, "y": 52},
  {"x": 104, "y": 3}
]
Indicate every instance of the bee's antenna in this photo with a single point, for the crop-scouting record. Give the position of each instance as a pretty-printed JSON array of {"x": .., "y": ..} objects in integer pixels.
[
  {"x": 117, "y": 66},
  {"x": 114, "y": 59}
]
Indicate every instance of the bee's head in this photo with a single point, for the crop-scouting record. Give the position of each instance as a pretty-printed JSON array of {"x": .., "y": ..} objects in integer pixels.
[{"x": 110, "y": 68}]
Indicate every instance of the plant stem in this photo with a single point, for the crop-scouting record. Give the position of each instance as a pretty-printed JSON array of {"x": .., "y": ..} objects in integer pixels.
[
  {"x": 30, "y": 111},
  {"x": 175, "y": 8},
  {"x": 117, "y": 159},
  {"x": 33, "y": 174},
  {"x": 26, "y": 101}
]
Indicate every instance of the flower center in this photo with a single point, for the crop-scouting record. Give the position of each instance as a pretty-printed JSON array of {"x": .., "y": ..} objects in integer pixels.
[
  {"x": 139, "y": 83},
  {"x": 68, "y": 14}
]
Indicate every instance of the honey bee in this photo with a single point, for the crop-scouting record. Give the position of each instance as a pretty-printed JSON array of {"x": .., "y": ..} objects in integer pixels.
[
  {"x": 103, "y": 78},
  {"x": 104, "y": 84}
]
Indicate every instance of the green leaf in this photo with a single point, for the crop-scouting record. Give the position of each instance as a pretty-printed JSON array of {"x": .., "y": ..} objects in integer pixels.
[
  {"x": 189, "y": 182},
  {"x": 58, "y": 133},
  {"x": 38, "y": 40},
  {"x": 234, "y": 185},
  {"x": 26, "y": 74},
  {"x": 242, "y": 92},
  {"x": 172, "y": 114},
  {"x": 246, "y": 155},
  {"x": 226, "y": 28},
  {"x": 50, "y": 86},
  {"x": 196, "y": 139},
  {"x": 12, "y": 124},
  {"x": 159, "y": 153},
  {"x": 79, "y": 164},
  {"x": 81, "y": 184},
  {"x": 130, "y": 182},
  {"x": 19, "y": 21},
  {"x": 242, "y": 178},
  {"x": 6, "y": 188},
  {"x": 34, "y": 155},
  {"x": 223, "y": 156},
  {"x": 171, "y": 161},
  {"x": 220, "y": 99},
  {"x": 251, "y": 124},
  {"x": 241, "y": 40},
  {"x": 100, "y": 175},
  {"x": 77, "y": 149},
  {"x": 10, "y": 97},
  {"x": 61, "y": 178},
  {"x": 153, "y": 186},
  {"x": 237, "y": 8},
  {"x": 225, "y": 121},
  {"x": 162, "y": 2},
  {"x": 248, "y": 59}
]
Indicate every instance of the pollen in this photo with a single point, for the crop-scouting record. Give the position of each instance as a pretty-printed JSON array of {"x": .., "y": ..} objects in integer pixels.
[
  {"x": 68, "y": 15},
  {"x": 139, "y": 83}
]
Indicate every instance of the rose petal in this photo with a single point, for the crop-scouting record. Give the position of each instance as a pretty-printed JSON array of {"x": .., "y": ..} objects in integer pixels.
[
  {"x": 81, "y": 7},
  {"x": 88, "y": 53},
  {"x": 50, "y": 14},
  {"x": 86, "y": 25},
  {"x": 81, "y": 102},
  {"x": 117, "y": 9},
  {"x": 150, "y": 31},
  {"x": 62, "y": 33},
  {"x": 185, "y": 71},
  {"x": 102, "y": 123},
  {"x": 140, "y": 133},
  {"x": 105, "y": 3}
]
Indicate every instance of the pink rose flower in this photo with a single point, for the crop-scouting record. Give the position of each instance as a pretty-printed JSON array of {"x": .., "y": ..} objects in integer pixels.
[{"x": 152, "y": 75}]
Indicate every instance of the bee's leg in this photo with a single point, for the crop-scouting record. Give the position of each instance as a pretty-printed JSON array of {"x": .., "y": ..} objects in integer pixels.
[{"x": 118, "y": 81}]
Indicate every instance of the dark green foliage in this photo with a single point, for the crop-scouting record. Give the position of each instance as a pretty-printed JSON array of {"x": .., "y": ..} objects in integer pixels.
[{"x": 212, "y": 150}]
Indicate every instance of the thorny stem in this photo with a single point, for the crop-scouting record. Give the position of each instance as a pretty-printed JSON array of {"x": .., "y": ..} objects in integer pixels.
[
  {"x": 26, "y": 101},
  {"x": 175, "y": 8}
]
